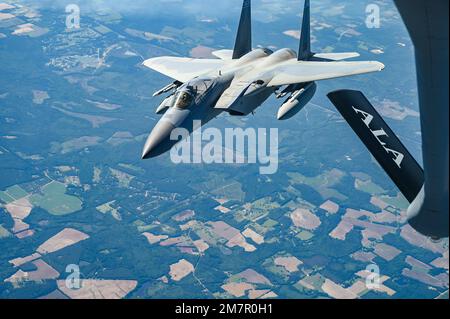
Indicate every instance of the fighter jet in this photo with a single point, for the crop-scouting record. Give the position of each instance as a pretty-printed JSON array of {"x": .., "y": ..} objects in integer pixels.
[{"x": 241, "y": 80}]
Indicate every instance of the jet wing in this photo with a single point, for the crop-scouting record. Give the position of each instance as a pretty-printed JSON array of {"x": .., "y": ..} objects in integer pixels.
[
  {"x": 224, "y": 54},
  {"x": 308, "y": 71},
  {"x": 336, "y": 56},
  {"x": 183, "y": 69},
  {"x": 232, "y": 94}
]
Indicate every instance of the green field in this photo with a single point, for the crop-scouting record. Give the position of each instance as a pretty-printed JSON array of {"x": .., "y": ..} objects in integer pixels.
[
  {"x": 219, "y": 186},
  {"x": 55, "y": 200},
  {"x": 304, "y": 235},
  {"x": 270, "y": 223},
  {"x": 4, "y": 233},
  {"x": 369, "y": 187},
  {"x": 399, "y": 202},
  {"x": 323, "y": 183},
  {"x": 108, "y": 208},
  {"x": 4, "y": 197},
  {"x": 12, "y": 193},
  {"x": 315, "y": 281}
]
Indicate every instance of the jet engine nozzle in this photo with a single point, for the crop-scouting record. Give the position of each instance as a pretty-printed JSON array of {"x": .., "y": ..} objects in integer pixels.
[{"x": 296, "y": 102}]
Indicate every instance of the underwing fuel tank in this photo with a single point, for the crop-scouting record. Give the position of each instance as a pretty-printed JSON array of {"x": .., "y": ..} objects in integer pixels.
[
  {"x": 165, "y": 105},
  {"x": 297, "y": 101}
]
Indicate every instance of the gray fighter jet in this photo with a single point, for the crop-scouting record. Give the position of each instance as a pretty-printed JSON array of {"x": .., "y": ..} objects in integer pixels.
[{"x": 241, "y": 80}]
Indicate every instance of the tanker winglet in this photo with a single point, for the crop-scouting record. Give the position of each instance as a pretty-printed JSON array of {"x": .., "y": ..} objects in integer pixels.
[{"x": 381, "y": 141}]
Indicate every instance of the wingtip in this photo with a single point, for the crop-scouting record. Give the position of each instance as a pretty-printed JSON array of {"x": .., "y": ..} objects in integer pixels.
[
  {"x": 378, "y": 66},
  {"x": 149, "y": 62}
]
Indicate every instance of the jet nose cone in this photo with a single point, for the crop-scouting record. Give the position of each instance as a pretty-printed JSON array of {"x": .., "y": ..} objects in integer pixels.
[{"x": 158, "y": 140}]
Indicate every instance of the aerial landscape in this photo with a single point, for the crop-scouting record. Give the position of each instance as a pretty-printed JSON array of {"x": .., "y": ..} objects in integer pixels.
[{"x": 76, "y": 108}]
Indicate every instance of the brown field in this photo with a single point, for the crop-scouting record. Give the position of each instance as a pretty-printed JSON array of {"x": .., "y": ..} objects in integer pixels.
[
  {"x": 370, "y": 230},
  {"x": 240, "y": 241},
  {"x": 6, "y": 16},
  {"x": 224, "y": 230},
  {"x": 417, "y": 264},
  {"x": 24, "y": 29},
  {"x": 181, "y": 270},
  {"x": 39, "y": 97},
  {"x": 330, "y": 207},
  {"x": 19, "y": 209},
  {"x": 378, "y": 202},
  {"x": 366, "y": 257},
  {"x": 202, "y": 52},
  {"x": 387, "y": 252},
  {"x": 337, "y": 292},
  {"x": 5, "y": 6},
  {"x": 25, "y": 234},
  {"x": 184, "y": 216},
  {"x": 43, "y": 272},
  {"x": 99, "y": 289},
  {"x": 238, "y": 290},
  {"x": 19, "y": 226},
  {"x": 269, "y": 295},
  {"x": 257, "y": 238},
  {"x": 221, "y": 201},
  {"x": 253, "y": 277},
  {"x": 390, "y": 292},
  {"x": 425, "y": 278},
  {"x": 416, "y": 239},
  {"x": 175, "y": 241},
  {"x": 17, "y": 262},
  {"x": 63, "y": 239},
  {"x": 421, "y": 272},
  {"x": 341, "y": 231},
  {"x": 256, "y": 294},
  {"x": 222, "y": 209},
  {"x": 291, "y": 264},
  {"x": 154, "y": 239},
  {"x": 359, "y": 288},
  {"x": 305, "y": 219},
  {"x": 383, "y": 288},
  {"x": 441, "y": 262},
  {"x": 384, "y": 217},
  {"x": 201, "y": 246}
]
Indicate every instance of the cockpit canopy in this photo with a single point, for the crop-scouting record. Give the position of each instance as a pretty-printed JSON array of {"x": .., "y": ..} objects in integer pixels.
[
  {"x": 191, "y": 92},
  {"x": 183, "y": 99}
]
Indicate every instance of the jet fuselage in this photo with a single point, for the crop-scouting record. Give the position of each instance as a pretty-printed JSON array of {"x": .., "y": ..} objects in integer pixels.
[{"x": 233, "y": 89}]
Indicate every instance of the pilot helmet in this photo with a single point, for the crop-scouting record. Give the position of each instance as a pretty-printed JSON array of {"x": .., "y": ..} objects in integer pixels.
[{"x": 184, "y": 99}]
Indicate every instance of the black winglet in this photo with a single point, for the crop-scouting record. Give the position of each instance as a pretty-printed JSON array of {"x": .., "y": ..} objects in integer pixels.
[
  {"x": 382, "y": 142},
  {"x": 243, "y": 43}
]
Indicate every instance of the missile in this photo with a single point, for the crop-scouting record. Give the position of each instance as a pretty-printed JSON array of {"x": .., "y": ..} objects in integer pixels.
[
  {"x": 289, "y": 89},
  {"x": 166, "y": 104},
  {"x": 167, "y": 88},
  {"x": 296, "y": 102}
]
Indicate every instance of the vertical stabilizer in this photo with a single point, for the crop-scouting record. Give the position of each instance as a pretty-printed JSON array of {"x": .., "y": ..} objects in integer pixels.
[
  {"x": 304, "y": 52},
  {"x": 244, "y": 37}
]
